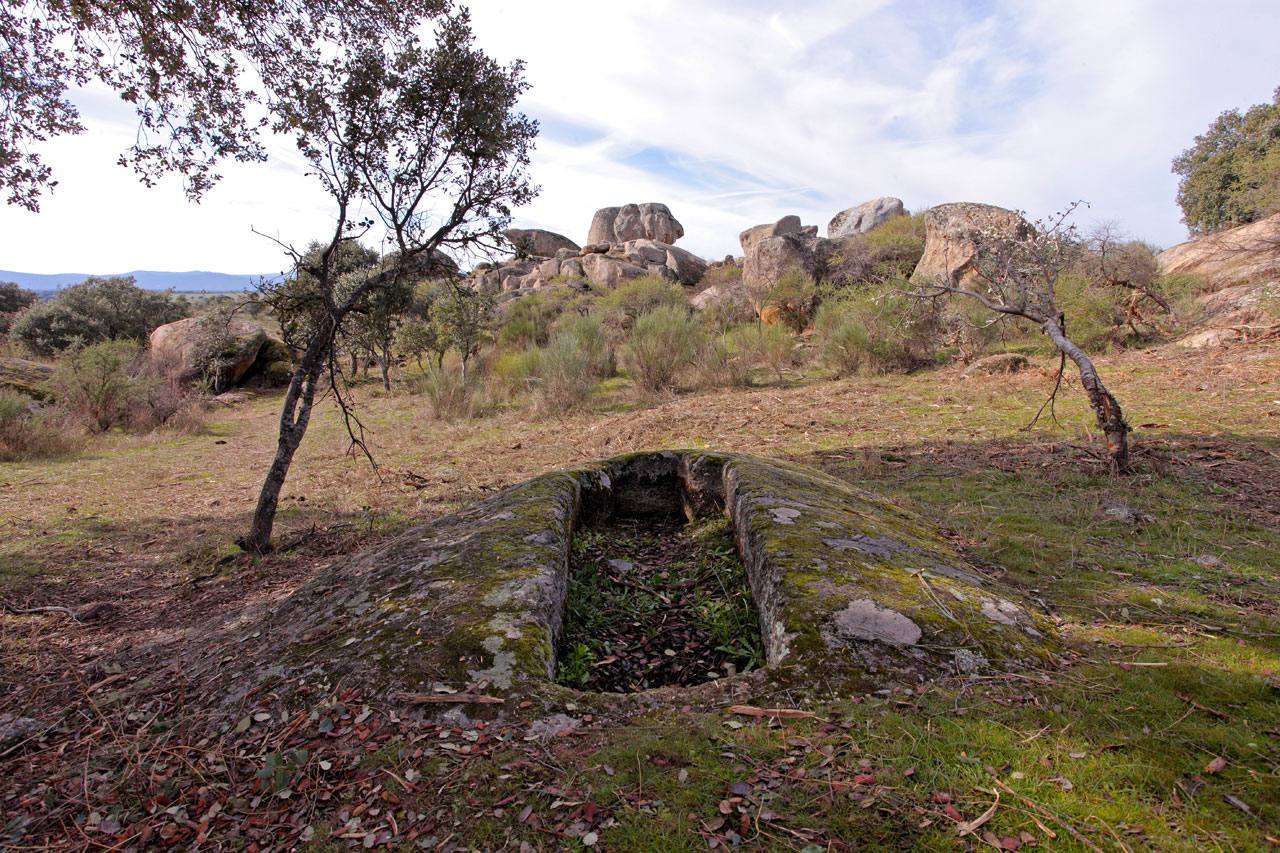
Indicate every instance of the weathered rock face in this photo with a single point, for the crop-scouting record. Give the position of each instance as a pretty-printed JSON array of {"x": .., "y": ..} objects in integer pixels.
[
  {"x": 1249, "y": 254},
  {"x": 648, "y": 221},
  {"x": 182, "y": 349},
  {"x": 769, "y": 258},
  {"x": 950, "y": 230},
  {"x": 1004, "y": 362},
  {"x": 864, "y": 217},
  {"x": 786, "y": 225},
  {"x": 596, "y": 265},
  {"x": 847, "y": 587},
  {"x": 539, "y": 243},
  {"x": 25, "y": 377}
]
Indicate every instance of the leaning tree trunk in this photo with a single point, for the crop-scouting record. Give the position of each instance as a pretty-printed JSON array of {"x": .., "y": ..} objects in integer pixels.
[
  {"x": 1105, "y": 406},
  {"x": 294, "y": 418}
]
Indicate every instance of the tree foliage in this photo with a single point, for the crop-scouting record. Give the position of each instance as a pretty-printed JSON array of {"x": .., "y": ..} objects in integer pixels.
[
  {"x": 98, "y": 309},
  {"x": 189, "y": 70},
  {"x": 13, "y": 299},
  {"x": 1017, "y": 274},
  {"x": 1231, "y": 174},
  {"x": 426, "y": 138}
]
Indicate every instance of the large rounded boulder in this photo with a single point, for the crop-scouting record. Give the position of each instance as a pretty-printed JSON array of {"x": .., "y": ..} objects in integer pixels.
[
  {"x": 864, "y": 217},
  {"x": 952, "y": 232},
  {"x": 535, "y": 242},
  {"x": 26, "y": 377},
  {"x": 648, "y": 221},
  {"x": 1246, "y": 255},
  {"x": 196, "y": 348}
]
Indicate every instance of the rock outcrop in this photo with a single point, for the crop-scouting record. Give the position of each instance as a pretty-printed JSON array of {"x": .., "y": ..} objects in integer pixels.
[
  {"x": 26, "y": 377},
  {"x": 600, "y": 265},
  {"x": 774, "y": 250},
  {"x": 188, "y": 349},
  {"x": 648, "y": 221},
  {"x": 864, "y": 217},
  {"x": 850, "y": 589},
  {"x": 950, "y": 230},
  {"x": 194, "y": 349},
  {"x": 535, "y": 242},
  {"x": 786, "y": 225},
  {"x": 1246, "y": 255}
]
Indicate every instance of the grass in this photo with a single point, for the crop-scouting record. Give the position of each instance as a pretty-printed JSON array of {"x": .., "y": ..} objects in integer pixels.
[{"x": 1171, "y": 616}]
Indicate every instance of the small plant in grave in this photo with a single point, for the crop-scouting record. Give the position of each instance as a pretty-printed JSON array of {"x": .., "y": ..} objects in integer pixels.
[{"x": 654, "y": 603}]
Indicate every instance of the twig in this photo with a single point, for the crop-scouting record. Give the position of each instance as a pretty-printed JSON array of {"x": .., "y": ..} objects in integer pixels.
[
  {"x": 1046, "y": 813},
  {"x": 447, "y": 698},
  {"x": 779, "y": 713},
  {"x": 26, "y": 611}
]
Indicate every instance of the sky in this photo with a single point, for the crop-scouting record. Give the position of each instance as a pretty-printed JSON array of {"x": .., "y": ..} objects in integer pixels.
[{"x": 738, "y": 112}]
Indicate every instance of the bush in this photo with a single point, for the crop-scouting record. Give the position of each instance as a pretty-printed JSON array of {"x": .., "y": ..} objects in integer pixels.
[
  {"x": 1095, "y": 318},
  {"x": 794, "y": 298},
  {"x": 565, "y": 375},
  {"x": 619, "y": 308},
  {"x": 516, "y": 372},
  {"x": 729, "y": 359},
  {"x": 770, "y": 347},
  {"x": 878, "y": 330},
  {"x": 28, "y": 432},
  {"x": 110, "y": 384},
  {"x": 100, "y": 384},
  {"x": 527, "y": 321},
  {"x": 896, "y": 246},
  {"x": 722, "y": 365},
  {"x": 663, "y": 342},
  {"x": 100, "y": 309},
  {"x": 13, "y": 299},
  {"x": 594, "y": 343},
  {"x": 451, "y": 395}
]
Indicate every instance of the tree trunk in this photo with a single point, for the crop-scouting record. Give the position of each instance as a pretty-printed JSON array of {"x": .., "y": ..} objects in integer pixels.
[
  {"x": 293, "y": 425},
  {"x": 1105, "y": 406},
  {"x": 384, "y": 361}
]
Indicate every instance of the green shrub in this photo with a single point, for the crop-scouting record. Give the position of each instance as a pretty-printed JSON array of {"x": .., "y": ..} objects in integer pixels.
[
  {"x": 99, "y": 385},
  {"x": 722, "y": 365},
  {"x": 28, "y": 432},
  {"x": 452, "y": 395},
  {"x": 794, "y": 297},
  {"x": 1094, "y": 313},
  {"x": 663, "y": 342},
  {"x": 770, "y": 347},
  {"x": 729, "y": 359},
  {"x": 527, "y": 321},
  {"x": 619, "y": 308},
  {"x": 879, "y": 330},
  {"x": 13, "y": 300},
  {"x": 111, "y": 384},
  {"x": 514, "y": 373},
  {"x": 590, "y": 335},
  {"x": 100, "y": 309},
  {"x": 565, "y": 377},
  {"x": 896, "y": 246}
]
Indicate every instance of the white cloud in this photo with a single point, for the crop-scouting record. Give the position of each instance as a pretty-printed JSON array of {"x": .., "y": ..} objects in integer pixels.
[{"x": 735, "y": 113}]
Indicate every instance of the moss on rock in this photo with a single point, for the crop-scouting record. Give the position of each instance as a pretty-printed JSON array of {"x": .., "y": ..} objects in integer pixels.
[{"x": 846, "y": 585}]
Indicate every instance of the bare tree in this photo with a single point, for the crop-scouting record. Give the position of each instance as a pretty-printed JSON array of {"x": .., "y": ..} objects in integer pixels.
[
  {"x": 1014, "y": 272},
  {"x": 1113, "y": 261},
  {"x": 427, "y": 140}
]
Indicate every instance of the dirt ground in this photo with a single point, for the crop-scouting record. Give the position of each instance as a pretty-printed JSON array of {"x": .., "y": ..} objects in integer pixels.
[{"x": 144, "y": 526}]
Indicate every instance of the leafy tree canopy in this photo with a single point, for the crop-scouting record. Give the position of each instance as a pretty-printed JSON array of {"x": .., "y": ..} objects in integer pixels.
[
  {"x": 1231, "y": 175},
  {"x": 190, "y": 70},
  {"x": 99, "y": 309}
]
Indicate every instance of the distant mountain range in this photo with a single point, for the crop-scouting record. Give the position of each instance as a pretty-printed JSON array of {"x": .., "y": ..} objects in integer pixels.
[{"x": 219, "y": 282}]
